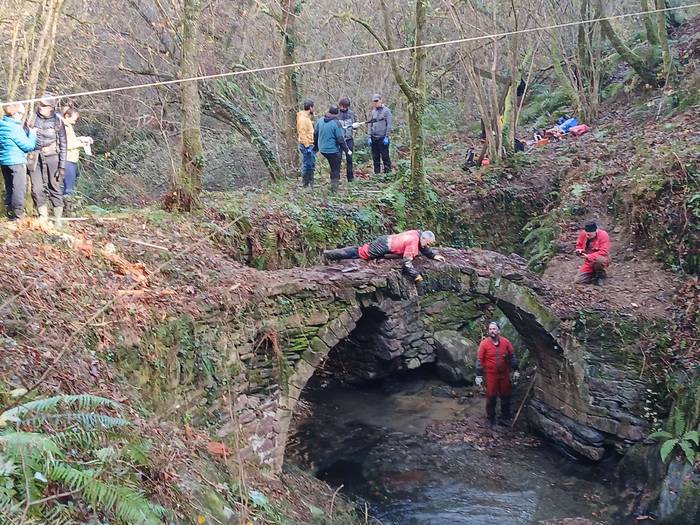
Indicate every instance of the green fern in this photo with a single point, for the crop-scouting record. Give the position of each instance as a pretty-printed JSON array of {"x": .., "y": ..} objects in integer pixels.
[
  {"x": 81, "y": 401},
  {"x": 688, "y": 441},
  {"x": 128, "y": 505},
  {"x": 75, "y": 448}
]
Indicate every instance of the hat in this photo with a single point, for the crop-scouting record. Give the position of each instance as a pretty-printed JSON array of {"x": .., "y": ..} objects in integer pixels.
[
  {"x": 376, "y": 97},
  {"x": 47, "y": 100},
  {"x": 590, "y": 227}
]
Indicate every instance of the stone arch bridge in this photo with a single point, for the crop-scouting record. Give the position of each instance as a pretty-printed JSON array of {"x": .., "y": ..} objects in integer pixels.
[{"x": 586, "y": 397}]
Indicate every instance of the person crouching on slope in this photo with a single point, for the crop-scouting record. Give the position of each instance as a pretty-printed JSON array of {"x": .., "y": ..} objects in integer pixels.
[
  {"x": 593, "y": 245},
  {"x": 407, "y": 245}
]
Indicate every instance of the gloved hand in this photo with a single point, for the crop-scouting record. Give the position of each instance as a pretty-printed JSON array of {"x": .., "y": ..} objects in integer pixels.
[
  {"x": 479, "y": 381},
  {"x": 355, "y": 125},
  {"x": 419, "y": 278},
  {"x": 369, "y": 141},
  {"x": 439, "y": 257},
  {"x": 516, "y": 377},
  {"x": 350, "y": 153},
  {"x": 386, "y": 141},
  {"x": 579, "y": 253}
]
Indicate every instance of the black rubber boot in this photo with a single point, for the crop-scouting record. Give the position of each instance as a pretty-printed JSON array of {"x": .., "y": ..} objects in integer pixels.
[
  {"x": 505, "y": 411},
  {"x": 351, "y": 252},
  {"x": 491, "y": 410}
]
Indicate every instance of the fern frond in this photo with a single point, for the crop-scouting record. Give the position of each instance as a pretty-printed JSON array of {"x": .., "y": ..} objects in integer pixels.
[
  {"x": 82, "y": 401},
  {"x": 138, "y": 451},
  {"x": 128, "y": 505},
  {"x": 87, "y": 420},
  {"x": 85, "y": 439},
  {"x": 28, "y": 442}
]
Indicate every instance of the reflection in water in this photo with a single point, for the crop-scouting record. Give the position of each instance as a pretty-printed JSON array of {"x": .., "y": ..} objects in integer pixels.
[{"x": 384, "y": 448}]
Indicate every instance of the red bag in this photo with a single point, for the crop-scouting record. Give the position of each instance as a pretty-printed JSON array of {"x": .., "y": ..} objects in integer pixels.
[{"x": 579, "y": 130}]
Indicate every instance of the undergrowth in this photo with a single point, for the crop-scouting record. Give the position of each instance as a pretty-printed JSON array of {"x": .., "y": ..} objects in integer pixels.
[{"x": 66, "y": 458}]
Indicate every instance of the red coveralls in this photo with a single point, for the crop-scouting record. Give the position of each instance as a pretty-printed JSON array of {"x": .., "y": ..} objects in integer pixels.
[
  {"x": 496, "y": 361},
  {"x": 597, "y": 251}
]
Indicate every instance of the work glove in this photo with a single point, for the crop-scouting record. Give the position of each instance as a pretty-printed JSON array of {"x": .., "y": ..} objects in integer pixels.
[
  {"x": 350, "y": 153},
  {"x": 516, "y": 377},
  {"x": 419, "y": 278},
  {"x": 369, "y": 141},
  {"x": 355, "y": 125},
  {"x": 579, "y": 253},
  {"x": 479, "y": 381},
  {"x": 386, "y": 141},
  {"x": 439, "y": 257}
]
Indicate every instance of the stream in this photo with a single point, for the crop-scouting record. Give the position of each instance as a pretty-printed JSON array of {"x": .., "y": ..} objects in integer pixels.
[{"x": 417, "y": 452}]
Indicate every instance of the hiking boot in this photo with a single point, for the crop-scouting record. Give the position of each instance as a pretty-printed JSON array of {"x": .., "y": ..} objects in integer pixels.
[{"x": 335, "y": 183}]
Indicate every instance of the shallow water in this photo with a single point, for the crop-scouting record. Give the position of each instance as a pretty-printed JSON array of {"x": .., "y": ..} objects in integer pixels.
[{"x": 375, "y": 444}]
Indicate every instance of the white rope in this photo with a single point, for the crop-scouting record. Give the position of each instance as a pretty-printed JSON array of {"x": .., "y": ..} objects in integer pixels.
[{"x": 355, "y": 56}]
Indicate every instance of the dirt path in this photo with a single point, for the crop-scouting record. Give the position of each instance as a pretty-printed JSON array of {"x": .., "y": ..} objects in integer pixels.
[{"x": 635, "y": 282}]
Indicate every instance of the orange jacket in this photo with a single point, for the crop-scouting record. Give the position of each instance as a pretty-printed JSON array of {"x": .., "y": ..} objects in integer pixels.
[
  {"x": 492, "y": 358},
  {"x": 598, "y": 246}
]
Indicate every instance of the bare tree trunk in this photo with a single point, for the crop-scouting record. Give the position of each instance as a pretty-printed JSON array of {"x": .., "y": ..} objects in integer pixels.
[
  {"x": 48, "y": 16},
  {"x": 650, "y": 26},
  {"x": 663, "y": 37},
  {"x": 187, "y": 180},
  {"x": 629, "y": 56},
  {"x": 416, "y": 110},
  {"x": 290, "y": 42},
  {"x": 220, "y": 106},
  {"x": 414, "y": 89},
  {"x": 46, "y": 70}
]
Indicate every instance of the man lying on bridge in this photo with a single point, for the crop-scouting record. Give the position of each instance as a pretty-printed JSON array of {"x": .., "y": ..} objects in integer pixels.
[
  {"x": 406, "y": 245},
  {"x": 593, "y": 245}
]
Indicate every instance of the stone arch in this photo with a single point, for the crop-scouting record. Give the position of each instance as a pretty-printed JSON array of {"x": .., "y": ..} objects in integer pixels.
[{"x": 333, "y": 301}]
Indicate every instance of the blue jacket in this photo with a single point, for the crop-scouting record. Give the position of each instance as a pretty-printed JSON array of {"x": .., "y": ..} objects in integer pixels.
[
  {"x": 15, "y": 142},
  {"x": 329, "y": 137}
]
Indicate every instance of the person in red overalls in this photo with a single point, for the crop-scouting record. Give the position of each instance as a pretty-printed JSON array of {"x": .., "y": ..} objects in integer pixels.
[
  {"x": 593, "y": 245},
  {"x": 496, "y": 357},
  {"x": 407, "y": 245}
]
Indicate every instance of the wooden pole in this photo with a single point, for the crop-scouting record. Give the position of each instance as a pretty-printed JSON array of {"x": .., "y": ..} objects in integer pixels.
[{"x": 522, "y": 404}]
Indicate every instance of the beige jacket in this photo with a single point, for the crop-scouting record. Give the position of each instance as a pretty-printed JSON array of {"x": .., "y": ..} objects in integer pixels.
[{"x": 74, "y": 144}]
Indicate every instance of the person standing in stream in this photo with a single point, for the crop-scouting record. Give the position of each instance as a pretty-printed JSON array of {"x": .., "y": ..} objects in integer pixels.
[
  {"x": 329, "y": 139},
  {"x": 52, "y": 149},
  {"x": 496, "y": 359},
  {"x": 380, "y": 127}
]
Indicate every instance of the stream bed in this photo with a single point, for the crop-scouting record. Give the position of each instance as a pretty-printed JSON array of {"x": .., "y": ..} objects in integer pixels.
[{"x": 418, "y": 452}]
